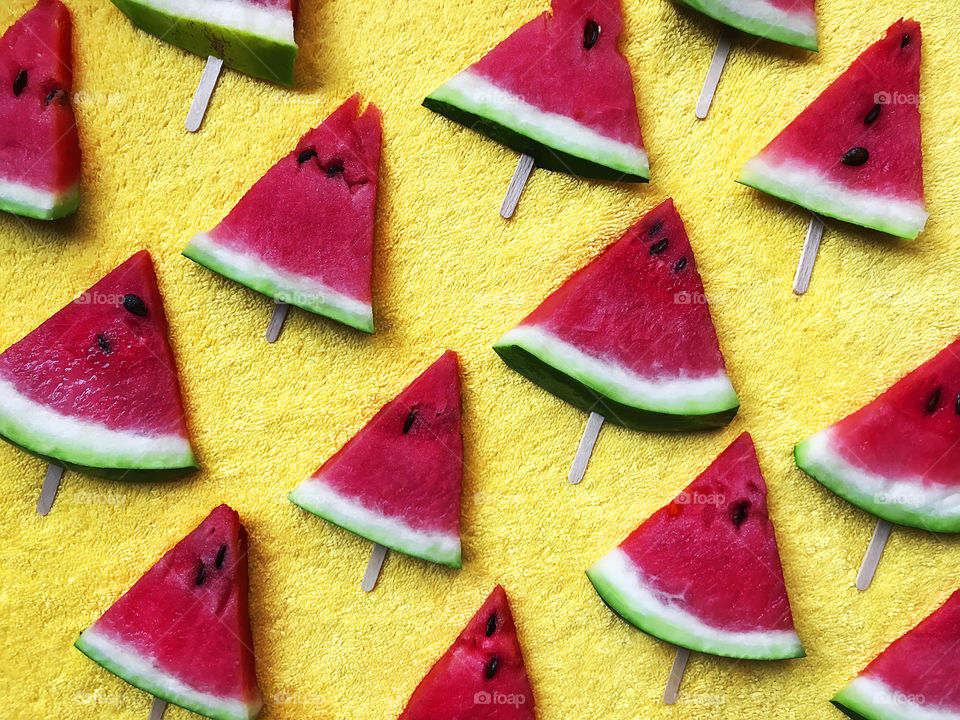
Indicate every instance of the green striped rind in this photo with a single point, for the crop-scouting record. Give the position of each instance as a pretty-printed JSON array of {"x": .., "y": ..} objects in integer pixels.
[
  {"x": 868, "y": 698},
  {"x": 138, "y": 670},
  {"x": 257, "y": 55},
  {"x": 317, "y": 497},
  {"x": 279, "y": 285},
  {"x": 762, "y": 19},
  {"x": 33, "y": 202},
  {"x": 554, "y": 141},
  {"x": 621, "y": 397},
  {"x": 809, "y": 189}
]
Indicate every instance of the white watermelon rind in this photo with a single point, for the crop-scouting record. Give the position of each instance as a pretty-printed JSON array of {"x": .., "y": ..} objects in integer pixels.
[
  {"x": 281, "y": 285},
  {"x": 617, "y": 580},
  {"x": 807, "y": 187},
  {"x": 869, "y": 698},
  {"x": 903, "y": 501},
  {"x": 29, "y": 201},
  {"x": 760, "y": 18},
  {"x": 317, "y": 497},
  {"x": 126, "y": 663}
]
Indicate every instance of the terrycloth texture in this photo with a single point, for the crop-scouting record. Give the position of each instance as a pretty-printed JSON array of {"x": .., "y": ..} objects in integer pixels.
[{"x": 450, "y": 273}]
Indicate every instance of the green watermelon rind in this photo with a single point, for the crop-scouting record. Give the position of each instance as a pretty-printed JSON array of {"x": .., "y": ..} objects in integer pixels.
[
  {"x": 259, "y": 56},
  {"x": 869, "y": 698},
  {"x": 807, "y": 188},
  {"x": 777, "y": 26},
  {"x": 280, "y": 285},
  {"x": 587, "y": 383},
  {"x": 619, "y": 585},
  {"x": 315, "y": 496},
  {"x": 554, "y": 141},
  {"x": 135, "y": 669},
  {"x": 33, "y": 202},
  {"x": 816, "y": 458}
]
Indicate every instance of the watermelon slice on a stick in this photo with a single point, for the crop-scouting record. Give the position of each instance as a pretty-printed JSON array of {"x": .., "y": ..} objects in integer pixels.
[
  {"x": 629, "y": 338},
  {"x": 182, "y": 632},
  {"x": 703, "y": 572},
  {"x": 899, "y": 456},
  {"x": 397, "y": 481},
  {"x": 854, "y": 154},
  {"x": 95, "y": 387},
  {"x": 558, "y": 91},
  {"x": 303, "y": 234}
]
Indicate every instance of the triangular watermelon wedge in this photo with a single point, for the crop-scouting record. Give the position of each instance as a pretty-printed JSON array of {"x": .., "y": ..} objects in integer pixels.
[
  {"x": 704, "y": 571},
  {"x": 559, "y": 90},
  {"x": 854, "y": 154},
  {"x": 793, "y": 22},
  {"x": 397, "y": 481},
  {"x": 303, "y": 234},
  {"x": 39, "y": 147},
  {"x": 915, "y": 678},
  {"x": 182, "y": 632},
  {"x": 95, "y": 387},
  {"x": 481, "y": 676},
  {"x": 629, "y": 336},
  {"x": 899, "y": 456}
]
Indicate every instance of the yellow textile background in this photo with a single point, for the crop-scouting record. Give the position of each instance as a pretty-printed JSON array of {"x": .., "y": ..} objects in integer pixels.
[{"x": 450, "y": 273}]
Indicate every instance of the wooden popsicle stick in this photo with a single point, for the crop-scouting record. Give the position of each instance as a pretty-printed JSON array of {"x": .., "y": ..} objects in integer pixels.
[
  {"x": 874, "y": 552},
  {"x": 276, "y": 320},
  {"x": 374, "y": 566},
  {"x": 585, "y": 448},
  {"x": 515, "y": 188},
  {"x": 158, "y": 708},
  {"x": 714, "y": 72},
  {"x": 676, "y": 675},
  {"x": 51, "y": 483},
  {"x": 201, "y": 98},
  {"x": 808, "y": 256}
]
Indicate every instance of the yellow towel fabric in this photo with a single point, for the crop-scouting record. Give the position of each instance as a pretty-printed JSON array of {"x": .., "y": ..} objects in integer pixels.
[{"x": 450, "y": 273}]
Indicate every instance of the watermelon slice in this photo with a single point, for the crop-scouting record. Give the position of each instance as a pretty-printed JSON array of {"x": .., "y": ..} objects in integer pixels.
[
  {"x": 704, "y": 571},
  {"x": 864, "y": 458},
  {"x": 252, "y": 36},
  {"x": 854, "y": 154},
  {"x": 182, "y": 632},
  {"x": 481, "y": 676},
  {"x": 39, "y": 147},
  {"x": 915, "y": 678},
  {"x": 95, "y": 387},
  {"x": 559, "y": 90},
  {"x": 397, "y": 481},
  {"x": 793, "y": 22},
  {"x": 303, "y": 234},
  {"x": 629, "y": 336}
]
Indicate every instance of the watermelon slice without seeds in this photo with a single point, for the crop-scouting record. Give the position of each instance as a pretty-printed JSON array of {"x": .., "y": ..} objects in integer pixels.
[
  {"x": 95, "y": 387},
  {"x": 915, "y": 678},
  {"x": 39, "y": 147},
  {"x": 854, "y": 154},
  {"x": 559, "y": 90},
  {"x": 303, "y": 234},
  {"x": 182, "y": 632},
  {"x": 252, "y": 36},
  {"x": 481, "y": 676},
  {"x": 865, "y": 458},
  {"x": 397, "y": 482},
  {"x": 629, "y": 336},
  {"x": 793, "y": 22},
  {"x": 704, "y": 572}
]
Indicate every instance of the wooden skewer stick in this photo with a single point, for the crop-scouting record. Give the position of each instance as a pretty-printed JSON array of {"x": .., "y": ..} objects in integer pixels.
[
  {"x": 276, "y": 320},
  {"x": 585, "y": 448},
  {"x": 874, "y": 552},
  {"x": 676, "y": 675},
  {"x": 808, "y": 256},
  {"x": 515, "y": 188},
  {"x": 51, "y": 483},
  {"x": 714, "y": 72},
  {"x": 158, "y": 708},
  {"x": 374, "y": 566},
  {"x": 201, "y": 98}
]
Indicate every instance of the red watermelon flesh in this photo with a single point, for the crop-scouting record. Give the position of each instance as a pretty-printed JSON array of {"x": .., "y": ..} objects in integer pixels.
[
  {"x": 481, "y": 676},
  {"x": 397, "y": 481},
  {"x": 39, "y": 148},
  {"x": 704, "y": 571},
  {"x": 182, "y": 632},
  {"x": 303, "y": 234}
]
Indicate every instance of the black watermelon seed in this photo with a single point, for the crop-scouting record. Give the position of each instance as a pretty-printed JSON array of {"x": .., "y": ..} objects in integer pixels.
[
  {"x": 491, "y": 624},
  {"x": 933, "y": 401},
  {"x": 408, "y": 423},
  {"x": 202, "y": 574},
  {"x": 659, "y": 246},
  {"x": 873, "y": 114},
  {"x": 855, "y": 157},
  {"x": 134, "y": 304},
  {"x": 305, "y": 155},
  {"x": 221, "y": 554},
  {"x": 57, "y": 94},
  {"x": 591, "y": 33},
  {"x": 656, "y": 228},
  {"x": 681, "y": 264},
  {"x": 905, "y": 41},
  {"x": 738, "y": 513},
  {"x": 956, "y": 405},
  {"x": 20, "y": 82},
  {"x": 334, "y": 170},
  {"x": 104, "y": 342},
  {"x": 491, "y": 669}
]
